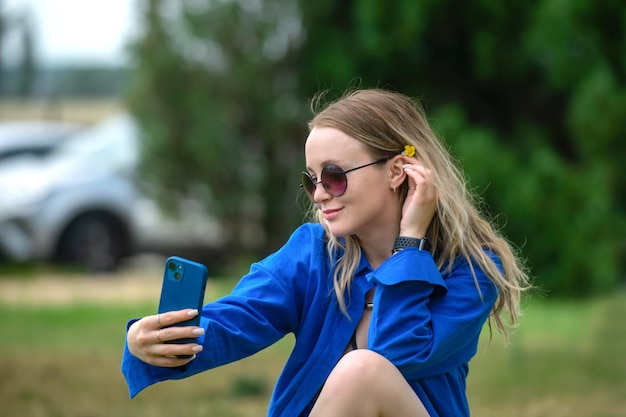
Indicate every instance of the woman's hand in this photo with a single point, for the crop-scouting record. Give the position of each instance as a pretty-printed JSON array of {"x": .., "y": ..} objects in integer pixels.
[
  {"x": 146, "y": 338},
  {"x": 421, "y": 201}
]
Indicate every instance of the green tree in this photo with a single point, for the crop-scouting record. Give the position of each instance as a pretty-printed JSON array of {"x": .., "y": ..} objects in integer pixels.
[
  {"x": 214, "y": 91},
  {"x": 3, "y": 31},
  {"x": 530, "y": 96},
  {"x": 27, "y": 63}
]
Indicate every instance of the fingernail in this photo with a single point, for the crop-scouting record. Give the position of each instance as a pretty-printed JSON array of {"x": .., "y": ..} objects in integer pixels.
[
  {"x": 193, "y": 312},
  {"x": 197, "y": 348},
  {"x": 198, "y": 331}
]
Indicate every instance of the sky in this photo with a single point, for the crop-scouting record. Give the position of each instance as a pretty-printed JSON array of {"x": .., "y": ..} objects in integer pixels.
[{"x": 73, "y": 31}]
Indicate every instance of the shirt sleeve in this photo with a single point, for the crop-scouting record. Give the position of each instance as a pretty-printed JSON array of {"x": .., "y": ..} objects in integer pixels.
[
  {"x": 422, "y": 323},
  {"x": 261, "y": 309}
]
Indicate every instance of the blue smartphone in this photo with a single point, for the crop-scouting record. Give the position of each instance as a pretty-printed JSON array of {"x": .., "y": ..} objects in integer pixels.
[{"x": 184, "y": 284}]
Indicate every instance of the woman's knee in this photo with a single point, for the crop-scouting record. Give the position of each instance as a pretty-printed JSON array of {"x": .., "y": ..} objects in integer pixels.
[
  {"x": 365, "y": 383},
  {"x": 361, "y": 367}
]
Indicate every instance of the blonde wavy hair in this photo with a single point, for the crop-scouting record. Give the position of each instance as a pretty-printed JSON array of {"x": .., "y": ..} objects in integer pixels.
[{"x": 385, "y": 122}]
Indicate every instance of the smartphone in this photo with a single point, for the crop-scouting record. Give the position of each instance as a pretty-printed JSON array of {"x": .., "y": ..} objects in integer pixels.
[{"x": 184, "y": 284}]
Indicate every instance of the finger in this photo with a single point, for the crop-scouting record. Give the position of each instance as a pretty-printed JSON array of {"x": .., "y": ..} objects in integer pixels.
[
  {"x": 173, "y": 317},
  {"x": 416, "y": 179},
  {"x": 419, "y": 174},
  {"x": 179, "y": 332},
  {"x": 421, "y": 186},
  {"x": 417, "y": 168},
  {"x": 172, "y": 350},
  {"x": 169, "y": 361},
  {"x": 150, "y": 323}
]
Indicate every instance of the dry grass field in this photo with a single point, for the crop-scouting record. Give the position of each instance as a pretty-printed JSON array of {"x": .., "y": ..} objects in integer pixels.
[{"x": 74, "y": 110}]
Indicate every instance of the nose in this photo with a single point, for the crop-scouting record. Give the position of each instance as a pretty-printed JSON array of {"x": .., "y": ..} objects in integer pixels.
[{"x": 319, "y": 193}]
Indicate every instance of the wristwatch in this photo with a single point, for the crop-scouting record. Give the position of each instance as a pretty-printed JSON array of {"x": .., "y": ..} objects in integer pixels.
[{"x": 403, "y": 242}]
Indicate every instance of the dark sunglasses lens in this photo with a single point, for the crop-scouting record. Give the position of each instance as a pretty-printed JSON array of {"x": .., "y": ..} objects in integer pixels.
[
  {"x": 307, "y": 184},
  {"x": 334, "y": 180}
]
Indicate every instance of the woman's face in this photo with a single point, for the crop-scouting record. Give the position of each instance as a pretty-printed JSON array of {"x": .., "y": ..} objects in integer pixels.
[{"x": 368, "y": 204}]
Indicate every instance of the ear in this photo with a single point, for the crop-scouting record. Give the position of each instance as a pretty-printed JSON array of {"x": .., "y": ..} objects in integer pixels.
[{"x": 396, "y": 175}]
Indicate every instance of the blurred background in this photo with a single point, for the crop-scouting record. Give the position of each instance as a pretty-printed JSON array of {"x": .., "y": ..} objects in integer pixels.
[{"x": 131, "y": 130}]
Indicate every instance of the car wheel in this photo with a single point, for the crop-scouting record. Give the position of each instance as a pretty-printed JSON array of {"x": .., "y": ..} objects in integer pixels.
[{"x": 95, "y": 242}]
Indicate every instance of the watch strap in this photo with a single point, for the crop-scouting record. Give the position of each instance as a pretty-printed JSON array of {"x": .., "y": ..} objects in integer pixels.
[{"x": 403, "y": 242}]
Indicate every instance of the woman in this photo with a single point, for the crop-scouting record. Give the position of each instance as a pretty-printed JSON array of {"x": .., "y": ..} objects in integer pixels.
[{"x": 386, "y": 292}]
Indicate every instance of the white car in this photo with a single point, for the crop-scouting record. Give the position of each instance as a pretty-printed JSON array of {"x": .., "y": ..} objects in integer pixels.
[
  {"x": 84, "y": 204},
  {"x": 33, "y": 138}
]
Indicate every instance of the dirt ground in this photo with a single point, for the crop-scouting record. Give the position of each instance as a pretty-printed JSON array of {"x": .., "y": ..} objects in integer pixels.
[{"x": 138, "y": 280}]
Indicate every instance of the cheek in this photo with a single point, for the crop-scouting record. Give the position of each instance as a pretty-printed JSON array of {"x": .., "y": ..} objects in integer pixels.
[
  {"x": 367, "y": 204},
  {"x": 367, "y": 191}
]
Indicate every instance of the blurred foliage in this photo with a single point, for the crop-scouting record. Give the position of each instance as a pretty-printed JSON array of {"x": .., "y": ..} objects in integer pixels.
[
  {"x": 251, "y": 386},
  {"x": 530, "y": 97},
  {"x": 21, "y": 25},
  {"x": 215, "y": 94}
]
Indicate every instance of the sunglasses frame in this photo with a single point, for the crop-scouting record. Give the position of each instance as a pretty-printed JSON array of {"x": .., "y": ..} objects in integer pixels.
[{"x": 306, "y": 178}]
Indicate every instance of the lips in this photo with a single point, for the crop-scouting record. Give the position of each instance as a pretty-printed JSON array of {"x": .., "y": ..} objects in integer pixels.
[{"x": 330, "y": 213}]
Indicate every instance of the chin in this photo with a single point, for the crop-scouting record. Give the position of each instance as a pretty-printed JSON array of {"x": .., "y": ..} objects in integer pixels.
[{"x": 338, "y": 231}]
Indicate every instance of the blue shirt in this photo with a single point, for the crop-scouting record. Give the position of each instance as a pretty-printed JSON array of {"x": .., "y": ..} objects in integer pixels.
[{"x": 425, "y": 321}]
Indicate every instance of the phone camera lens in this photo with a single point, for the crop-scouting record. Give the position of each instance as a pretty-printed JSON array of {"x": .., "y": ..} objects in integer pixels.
[
  {"x": 171, "y": 266},
  {"x": 176, "y": 275}
]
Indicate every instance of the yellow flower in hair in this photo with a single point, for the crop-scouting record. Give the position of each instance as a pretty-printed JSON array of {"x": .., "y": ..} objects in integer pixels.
[{"x": 409, "y": 150}]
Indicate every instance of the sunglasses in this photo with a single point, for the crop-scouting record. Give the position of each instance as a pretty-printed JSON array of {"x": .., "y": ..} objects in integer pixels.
[{"x": 333, "y": 179}]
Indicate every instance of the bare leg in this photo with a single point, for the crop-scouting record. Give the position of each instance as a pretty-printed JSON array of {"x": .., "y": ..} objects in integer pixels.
[{"x": 365, "y": 384}]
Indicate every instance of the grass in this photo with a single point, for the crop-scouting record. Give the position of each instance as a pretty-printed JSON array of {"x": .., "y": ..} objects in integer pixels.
[{"x": 567, "y": 359}]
